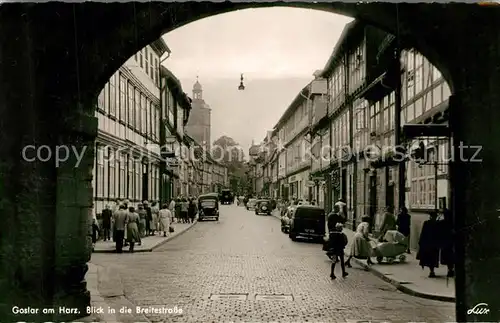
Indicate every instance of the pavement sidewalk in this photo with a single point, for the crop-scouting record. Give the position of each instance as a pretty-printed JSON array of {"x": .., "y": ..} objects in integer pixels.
[
  {"x": 408, "y": 277},
  {"x": 148, "y": 243}
]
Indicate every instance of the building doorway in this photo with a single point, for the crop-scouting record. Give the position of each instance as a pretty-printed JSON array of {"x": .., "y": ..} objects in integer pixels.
[
  {"x": 145, "y": 181},
  {"x": 389, "y": 189}
]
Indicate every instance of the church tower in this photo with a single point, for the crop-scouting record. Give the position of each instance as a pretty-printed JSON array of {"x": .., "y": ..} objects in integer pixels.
[
  {"x": 199, "y": 124},
  {"x": 197, "y": 90}
]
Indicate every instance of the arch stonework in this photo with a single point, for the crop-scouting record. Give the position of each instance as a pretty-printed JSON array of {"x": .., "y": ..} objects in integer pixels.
[{"x": 55, "y": 58}]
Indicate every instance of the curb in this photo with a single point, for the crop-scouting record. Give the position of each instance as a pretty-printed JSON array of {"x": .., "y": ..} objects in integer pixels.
[
  {"x": 159, "y": 244},
  {"x": 402, "y": 286},
  {"x": 173, "y": 237}
]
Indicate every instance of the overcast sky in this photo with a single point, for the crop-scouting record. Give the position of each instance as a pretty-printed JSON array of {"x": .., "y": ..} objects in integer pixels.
[{"x": 277, "y": 50}]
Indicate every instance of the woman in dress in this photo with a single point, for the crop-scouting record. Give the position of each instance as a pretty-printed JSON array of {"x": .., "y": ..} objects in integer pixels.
[
  {"x": 133, "y": 235},
  {"x": 142, "y": 220},
  {"x": 360, "y": 246},
  {"x": 185, "y": 210},
  {"x": 429, "y": 244},
  {"x": 164, "y": 217},
  {"x": 154, "y": 218}
]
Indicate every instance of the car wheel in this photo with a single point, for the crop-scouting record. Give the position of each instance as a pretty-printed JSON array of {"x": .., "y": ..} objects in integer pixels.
[
  {"x": 293, "y": 237},
  {"x": 217, "y": 219}
]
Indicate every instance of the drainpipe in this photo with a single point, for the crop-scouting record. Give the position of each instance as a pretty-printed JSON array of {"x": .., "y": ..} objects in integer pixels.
[{"x": 163, "y": 186}]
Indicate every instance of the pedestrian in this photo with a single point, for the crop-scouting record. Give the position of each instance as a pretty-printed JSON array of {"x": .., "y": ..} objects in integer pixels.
[
  {"x": 335, "y": 217},
  {"x": 154, "y": 213},
  {"x": 429, "y": 244},
  {"x": 120, "y": 223},
  {"x": 171, "y": 206},
  {"x": 403, "y": 223},
  {"x": 106, "y": 222},
  {"x": 184, "y": 210},
  {"x": 177, "y": 206},
  {"x": 361, "y": 247},
  {"x": 133, "y": 228},
  {"x": 337, "y": 243},
  {"x": 95, "y": 231},
  {"x": 142, "y": 220},
  {"x": 126, "y": 204},
  {"x": 115, "y": 208},
  {"x": 342, "y": 207},
  {"x": 447, "y": 250},
  {"x": 164, "y": 216},
  {"x": 149, "y": 217},
  {"x": 191, "y": 210},
  {"x": 388, "y": 223}
]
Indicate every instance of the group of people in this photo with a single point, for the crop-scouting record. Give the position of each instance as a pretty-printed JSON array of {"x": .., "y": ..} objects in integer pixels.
[
  {"x": 184, "y": 209},
  {"x": 435, "y": 241},
  {"x": 127, "y": 225}
]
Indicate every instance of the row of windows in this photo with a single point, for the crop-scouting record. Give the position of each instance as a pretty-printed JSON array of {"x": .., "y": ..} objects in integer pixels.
[
  {"x": 120, "y": 99},
  {"x": 357, "y": 68},
  {"x": 119, "y": 176},
  {"x": 148, "y": 61},
  {"x": 419, "y": 75},
  {"x": 336, "y": 85},
  {"x": 423, "y": 184},
  {"x": 340, "y": 130},
  {"x": 299, "y": 117},
  {"x": 169, "y": 102},
  {"x": 430, "y": 99},
  {"x": 382, "y": 114}
]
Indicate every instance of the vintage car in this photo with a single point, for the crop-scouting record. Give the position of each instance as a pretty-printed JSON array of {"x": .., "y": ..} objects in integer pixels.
[
  {"x": 208, "y": 206},
  {"x": 251, "y": 204},
  {"x": 226, "y": 197},
  {"x": 308, "y": 221},
  {"x": 263, "y": 206}
]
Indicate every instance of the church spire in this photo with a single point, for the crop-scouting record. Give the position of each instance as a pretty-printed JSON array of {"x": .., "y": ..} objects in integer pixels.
[{"x": 197, "y": 90}]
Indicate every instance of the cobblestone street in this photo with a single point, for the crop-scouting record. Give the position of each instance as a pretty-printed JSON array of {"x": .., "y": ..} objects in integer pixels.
[{"x": 247, "y": 254}]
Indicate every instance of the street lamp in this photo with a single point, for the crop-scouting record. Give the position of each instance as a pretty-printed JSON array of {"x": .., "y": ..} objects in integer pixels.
[{"x": 242, "y": 86}]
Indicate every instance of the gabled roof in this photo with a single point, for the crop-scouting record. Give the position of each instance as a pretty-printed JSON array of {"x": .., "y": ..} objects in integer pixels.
[
  {"x": 175, "y": 87},
  {"x": 297, "y": 101},
  {"x": 340, "y": 46}
]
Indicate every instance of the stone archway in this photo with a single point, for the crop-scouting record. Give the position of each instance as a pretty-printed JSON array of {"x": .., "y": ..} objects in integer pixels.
[{"x": 54, "y": 58}]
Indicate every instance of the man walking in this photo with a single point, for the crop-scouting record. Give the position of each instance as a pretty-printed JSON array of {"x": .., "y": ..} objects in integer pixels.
[
  {"x": 120, "y": 224},
  {"x": 107, "y": 214}
]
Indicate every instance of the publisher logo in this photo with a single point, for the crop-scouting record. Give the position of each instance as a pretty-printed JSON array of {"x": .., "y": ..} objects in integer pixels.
[{"x": 479, "y": 309}]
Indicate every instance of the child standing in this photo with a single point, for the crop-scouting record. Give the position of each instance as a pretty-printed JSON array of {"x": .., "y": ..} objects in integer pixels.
[{"x": 337, "y": 242}]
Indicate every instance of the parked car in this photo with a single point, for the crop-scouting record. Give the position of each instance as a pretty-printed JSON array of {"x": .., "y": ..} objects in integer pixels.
[
  {"x": 263, "y": 206},
  {"x": 251, "y": 204},
  {"x": 308, "y": 221},
  {"x": 208, "y": 206}
]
